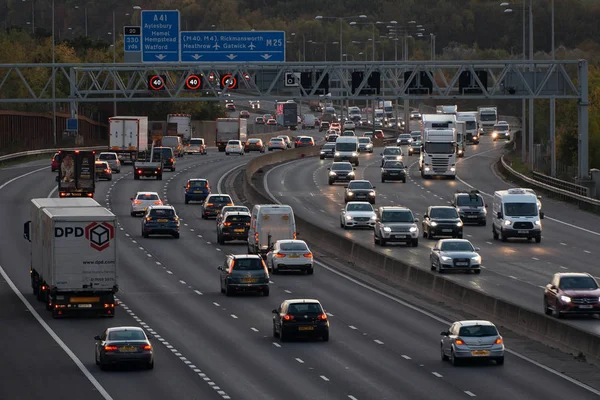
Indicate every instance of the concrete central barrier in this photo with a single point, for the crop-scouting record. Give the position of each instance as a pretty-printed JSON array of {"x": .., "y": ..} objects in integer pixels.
[{"x": 537, "y": 326}]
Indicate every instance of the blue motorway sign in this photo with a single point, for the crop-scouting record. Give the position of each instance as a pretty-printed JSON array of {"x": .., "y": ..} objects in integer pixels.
[
  {"x": 132, "y": 39},
  {"x": 160, "y": 36},
  {"x": 72, "y": 124},
  {"x": 234, "y": 46}
]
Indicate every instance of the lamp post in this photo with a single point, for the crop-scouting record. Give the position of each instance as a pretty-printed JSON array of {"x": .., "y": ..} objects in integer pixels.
[
  {"x": 373, "y": 24},
  {"x": 114, "y": 46},
  {"x": 341, "y": 19},
  {"x": 32, "y": 16},
  {"x": 85, "y": 19},
  {"x": 325, "y": 43},
  {"x": 53, "y": 76}
]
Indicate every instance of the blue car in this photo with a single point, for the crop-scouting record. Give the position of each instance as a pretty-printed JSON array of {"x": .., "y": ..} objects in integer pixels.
[
  {"x": 196, "y": 190},
  {"x": 160, "y": 220}
]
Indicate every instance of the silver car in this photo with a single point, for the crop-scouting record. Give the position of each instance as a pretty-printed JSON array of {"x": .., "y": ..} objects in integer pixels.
[
  {"x": 143, "y": 200},
  {"x": 392, "y": 153},
  {"x": 468, "y": 340},
  {"x": 357, "y": 214},
  {"x": 396, "y": 224},
  {"x": 112, "y": 159},
  {"x": 290, "y": 254},
  {"x": 455, "y": 254},
  {"x": 287, "y": 140},
  {"x": 365, "y": 145},
  {"x": 124, "y": 345},
  {"x": 277, "y": 143}
]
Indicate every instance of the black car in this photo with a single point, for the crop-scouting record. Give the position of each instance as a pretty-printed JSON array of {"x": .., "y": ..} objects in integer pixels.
[
  {"x": 442, "y": 221},
  {"x": 304, "y": 141},
  {"x": 233, "y": 226},
  {"x": 324, "y": 126},
  {"x": 103, "y": 170},
  {"x": 244, "y": 273},
  {"x": 123, "y": 345},
  {"x": 327, "y": 151},
  {"x": 471, "y": 207},
  {"x": 300, "y": 317},
  {"x": 393, "y": 171},
  {"x": 160, "y": 220},
  {"x": 167, "y": 157},
  {"x": 360, "y": 190},
  {"x": 341, "y": 171},
  {"x": 214, "y": 203},
  {"x": 404, "y": 139},
  {"x": 415, "y": 147}
]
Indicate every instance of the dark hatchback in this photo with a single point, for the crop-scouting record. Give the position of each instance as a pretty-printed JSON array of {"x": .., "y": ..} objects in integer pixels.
[
  {"x": 471, "y": 207},
  {"x": 244, "y": 273},
  {"x": 160, "y": 220},
  {"x": 341, "y": 172},
  {"x": 103, "y": 170},
  {"x": 304, "y": 141},
  {"x": 300, "y": 317},
  {"x": 214, "y": 203},
  {"x": 234, "y": 226},
  {"x": 393, "y": 171},
  {"x": 324, "y": 126},
  {"x": 442, "y": 221},
  {"x": 360, "y": 190},
  {"x": 196, "y": 190},
  {"x": 167, "y": 157},
  {"x": 327, "y": 151},
  {"x": 572, "y": 293}
]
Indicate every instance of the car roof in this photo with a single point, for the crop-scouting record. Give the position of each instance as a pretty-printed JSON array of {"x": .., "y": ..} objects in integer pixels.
[
  {"x": 394, "y": 208},
  {"x": 138, "y": 193},
  {"x": 358, "y": 202},
  {"x": 198, "y": 179},
  {"x": 575, "y": 274},
  {"x": 239, "y": 256},
  {"x": 475, "y": 322},
  {"x": 238, "y": 213},
  {"x": 124, "y": 328},
  {"x": 162, "y": 207},
  {"x": 453, "y": 208},
  {"x": 340, "y": 163},
  {"x": 289, "y": 301},
  {"x": 107, "y": 152},
  {"x": 291, "y": 241},
  {"x": 455, "y": 241},
  {"x": 218, "y": 194},
  {"x": 359, "y": 181}
]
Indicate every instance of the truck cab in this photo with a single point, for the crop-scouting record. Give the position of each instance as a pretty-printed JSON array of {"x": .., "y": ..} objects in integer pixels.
[{"x": 438, "y": 157}]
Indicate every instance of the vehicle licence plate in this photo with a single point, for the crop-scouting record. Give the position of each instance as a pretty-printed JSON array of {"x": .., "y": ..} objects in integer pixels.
[
  {"x": 446, "y": 230},
  {"x": 471, "y": 216},
  {"x": 84, "y": 305},
  {"x": 480, "y": 352},
  {"x": 197, "y": 191},
  {"x": 128, "y": 349},
  {"x": 588, "y": 306},
  {"x": 523, "y": 232},
  {"x": 239, "y": 230},
  {"x": 163, "y": 220},
  {"x": 462, "y": 264},
  {"x": 306, "y": 328},
  {"x": 294, "y": 256},
  {"x": 249, "y": 280}
]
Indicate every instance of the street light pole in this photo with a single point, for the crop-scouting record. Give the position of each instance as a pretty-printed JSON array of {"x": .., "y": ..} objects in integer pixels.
[
  {"x": 531, "y": 127},
  {"x": 114, "y": 62},
  {"x": 552, "y": 107},
  {"x": 53, "y": 78}
]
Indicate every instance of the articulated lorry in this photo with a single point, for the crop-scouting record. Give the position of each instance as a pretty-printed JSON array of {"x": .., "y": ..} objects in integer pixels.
[
  {"x": 438, "y": 157},
  {"x": 128, "y": 135},
  {"x": 487, "y": 117},
  {"x": 76, "y": 173},
  {"x": 231, "y": 129},
  {"x": 73, "y": 256}
]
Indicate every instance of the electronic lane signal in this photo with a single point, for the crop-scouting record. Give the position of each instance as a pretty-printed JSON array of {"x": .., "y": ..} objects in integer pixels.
[
  {"x": 229, "y": 81},
  {"x": 193, "y": 82},
  {"x": 156, "y": 82}
]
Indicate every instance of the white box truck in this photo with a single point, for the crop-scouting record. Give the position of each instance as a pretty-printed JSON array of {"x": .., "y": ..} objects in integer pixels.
[
  {"x": 461, "y": 133},
  {"x": 472, "y": 129},
  {"x": 270, "y": 223},
  {"x": 183, "y": 123},
  {"x": 231, "y": 129},
  {"x": 438, "y": 157},
  {"x": 128, "y": 135},
  {"x": 488, "y": 117},
  {"x": 73, "y": 257}
]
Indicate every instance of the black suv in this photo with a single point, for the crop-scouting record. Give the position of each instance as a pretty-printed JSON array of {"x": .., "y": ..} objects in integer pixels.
[
  {"x": 393, "y": 171},
  {"x": 360, "y": 191},
  {"x": 233, "y": 226},
  {"x": 442, "y": 221},
  {"x": 244, "y": 273},
  {"x": 341, "y": 171},
  {"x": 471, "y": 207},
  {"x": 167, "y": 157}
]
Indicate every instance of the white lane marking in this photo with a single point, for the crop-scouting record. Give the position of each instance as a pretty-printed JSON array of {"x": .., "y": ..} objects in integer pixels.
[
  {"x": 254, "y": 329},
  {"x": 329, "y": 314},
  {"x": 378, "y": 341},
  {"x": 326, "y": 379},
  {"x": 276, "y": 344},
  {"x": 216, "y": 304},
  {"x": 352, "y": 397},
  {"x": 587, "y": 251},
  {"x": 199, "y": 293},
  {"x": 406, "y": 357},
  {"x": 224, "y": 176},
  {"x": 287, "y": 291},
  {"x": 489, "y": 242},
  {"x": 182, "y": 282},
  {"x": 16, "y": 178},
  {"x": 141, "y": 248},
  {"x": 54, "y": 191},
  {"x": 54, "y": 336},
  {"x": 470, "y": 393},
  {"x": 199, "y": 236},
  {"x": 513, "y": 277},
  {"x": 446, "y": 322},
  {"x": 564, "y": 244},
  {"x": 234, "y": 316},
  {"x": 169, "y": 272},
  {"x": 535, "y": 258},
  {"x": 300, "y": 360},
  {"x": 436, "y": 374},
  {"x": 352, "y": 327},
  {"x": 158, "y": 263}
]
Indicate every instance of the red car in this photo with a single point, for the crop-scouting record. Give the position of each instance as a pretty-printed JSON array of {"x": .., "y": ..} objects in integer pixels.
[
  {"x": 572, "y": 293},
  {"x": 55, "y": 163},
  {"x": 379, "y": 134},
  {"x": 244, "y": 114}
]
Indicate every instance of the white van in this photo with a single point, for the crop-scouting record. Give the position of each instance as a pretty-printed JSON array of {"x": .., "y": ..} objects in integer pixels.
[
  {"x": 516, "y": 214},
  {"x": 346, "y": 149},
  {"x": 270, "y": 223},
  {"x": 309, "y": 121}
]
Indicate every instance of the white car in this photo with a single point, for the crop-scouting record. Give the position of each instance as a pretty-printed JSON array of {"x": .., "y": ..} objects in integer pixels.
[
  {"x": 357, "y": 214},
  {"x": 143, "y": 200},
  {"x": 234, "y": 146},
  {"x": 287, "y": 140},
  {"x": 349, "y": 125},
  {"x": 290, "y": 255},
  {"x": 254, "y": 104},
  {"x": 112, "y": 159},
  {"x": 277, "y": 143},
  {"x": 391, "y": 154}
]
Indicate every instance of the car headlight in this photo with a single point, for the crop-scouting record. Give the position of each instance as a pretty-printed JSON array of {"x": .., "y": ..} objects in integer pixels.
[
  {"x": 413, "y": 229},
  {"x": 331, "y": 173},
  {"x": 507, "y": 222},
  {"x": 348, "y": 217},
  {"x": 433, "y": 223},
  {"x": 387, "y": 229},
  {"x": 337, "y": 154},
  {"x": 354, "y": 154},
  {"x": 476, "y": 259},
  {"x": 373, "y": 217},
  {"x": 537, "y": 223},
  {"x": 453, "y": 169},
  {"x": 565, "y": 299},
  {"x": 372, "y": 194},
  {"x": 350, "y": 193},
  {"x": 322, "y": 152},
  {"x": 351, "y": 173},
  {"x": 446, "y": 258},
  {"x": 459, "y": 224},
  {"x": 398, "y": 158}
]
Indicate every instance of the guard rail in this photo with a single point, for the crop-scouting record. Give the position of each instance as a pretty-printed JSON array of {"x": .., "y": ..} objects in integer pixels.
[{"x": 21, "y": 154}]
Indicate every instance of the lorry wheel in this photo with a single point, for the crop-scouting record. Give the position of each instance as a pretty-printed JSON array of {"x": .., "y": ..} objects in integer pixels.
[
  {"x": 145, "y": 235},
  {"x": 176, "y": 235},
  {"x": 159, "y": 177},
  {"x": 136, "y": 177},
  {"x": 226, "y": 154}
]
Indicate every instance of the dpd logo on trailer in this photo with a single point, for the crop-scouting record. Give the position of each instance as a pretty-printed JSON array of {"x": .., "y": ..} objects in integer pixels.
[{"x": 99, "y": 235}]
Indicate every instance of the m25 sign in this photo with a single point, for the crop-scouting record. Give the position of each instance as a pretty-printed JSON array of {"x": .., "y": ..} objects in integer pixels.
[{"x": 98, "y": 234}]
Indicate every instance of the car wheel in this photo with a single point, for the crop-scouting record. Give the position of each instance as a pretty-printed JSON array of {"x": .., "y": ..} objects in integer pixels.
[
  {"x": 186, "y": 201},
  {"x": 502, "y": 236},
  {"x": 538, "y": 239},
  {"x": 547, "y": 310},
  {"x": 145, "y": 235},
  {"x": 500, "y": 360},
  {"x": 275, "y": 334},
  {"x": 443, "y": 356},
  {"x": 203, "y": 216},
  {"x": 453, "y": 360},
  {"x": 460, "y": 236},
  {"x": 375, "y": 240},
  {"x": 132, "y": 214},
  {"x": 220, "y": 240},
  {"x": 382, "y": 242},
  {"x": 96, "y": 358},
  {"x": 176, "y": 235},
  {"x": 326, "y": 336},
  {"x": 228, "y": 291},
  {"x": 226, "y": 153},
  {"x": 159, "y": 177},
  {"x": 404, "y": 180},
  {"x": 432, "y": 266},
  {"x": 282, "y": 336},
  {"x": 415, "y": 242},
  {"x": 310, "y": 271},
  {"x": 382, "y": 179},
  {"x": 150, "y": 365},
  {"x": 424, "y": 234},
  {"x": 556, "y": 313},
  {"x": 265, "y": 292},
  {"x": 102, "y": 366},
  {"x": 330, "y": 183},
  {"x": 341, "y": 224},
  {"x": 483, "y": 223},
  {"x": 494, "y": 233},
  {"x": 477, "y": 271}
]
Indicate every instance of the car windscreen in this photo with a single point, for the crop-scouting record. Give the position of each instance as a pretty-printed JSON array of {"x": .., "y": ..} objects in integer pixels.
[
  {"x": 487, "y": 117},
  {"x": 107, "y": 157},
  {"x": 227, "y": 209},
  {"x": 359, "y": 207},
  {"x": 456, "y": 246},
  {"x": 233, "y": 143},
  {"x": 393, "y": 164},
  {"x": 342, "y": 167},
  {"x": 478, "y": 331},
  {"x": 196, "y": 142},
  {"x": 577, "y": 282},
  {"x": 364, "y": 140},
  {"x": 396, "y": 216},
  {"x": 442, "y": 213},
  {"x": 166, "y": 152},
  {"x": 360, "y": 185},
  {"x": 345, "y": 146},
  {"x": 254, "y": 141},
  {"x": 197, "y": 184},
  {"x": 220, "y": 199},
  {"x": 147, "y": 197},
  {"x": 392, "y": 151},
  {"x": 473, "y": 201},
  {"x": 170, "y": 141},
  {"x": 100, "y": 166},
  {"x": 293, "y": 246},
  {"x": 471, "y": 125},
  {"x": 520, "y": 209},
  {"x": 439, "y": 148},
  {"x": 329, "y": 146},
  {"x": 404, "y": 136},
  {"x": 276, "y": 140},
  {"x": 238, "y": 218},
  {"x": 501, "y": 128},
  {"x": 126, "y": 335},
  {"x": 248, "y": 264},
  {"x": 305, "y": 308},
  {"x": 162, "y": 213},
  {"x": 305, "y": 140}
]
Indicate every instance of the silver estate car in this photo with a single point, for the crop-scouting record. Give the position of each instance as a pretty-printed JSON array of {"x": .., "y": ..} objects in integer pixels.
[
  {"x": 469, "y": 340},
  {"x": 455, "y": 254}
]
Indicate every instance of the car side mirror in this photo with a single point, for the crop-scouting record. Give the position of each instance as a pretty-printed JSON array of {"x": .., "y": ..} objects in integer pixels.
[
  {"x": 374, "y": 187},
  {"x": 275, "y": 311},
  {"x": 328, "y": 169},
  {"x": 97, "y": 337},
  {"x": 354, "y": 169},
  {"x": 380, "y": 154},
  {"x": 539, "y": 197},
  {"x": 499, "y": 214},
  {"x": 477, "y": 249},
  {"x": 552, "y": 287},
  {"x": 486, "y": 206},
  {"x": 220, "y": 268},
  {"x": 131, "y": 199},
  {"x": 57, "y": 179},
  {"x": 150, "y": 337},
  {"x": 541, "y": 215},
  {"x": 416, "y": 220},
  {"x": 435, "y": 249},
  {"x": 444, "y": 333},
  {"x": 345, "y": 186}
]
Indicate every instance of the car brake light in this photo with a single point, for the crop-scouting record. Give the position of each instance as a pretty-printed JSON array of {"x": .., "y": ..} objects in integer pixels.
[
  {"x": 229, "y": 204},
  {"x": 148, "y": 218},
  {"x": 294, "y": 235},
  {"x": 459, "y": 341},
  {"x": 172, "y": 159},
  {"x": 288, "y": 317},
  {"x": 279, "y": 255},
  {"x": 158, "y": 202},
  {"x": 139, "y": 171},
  {"x": 110, "y": 348},
  {"x": 256, "y": 237},
  {"x": 146, "y": 347},
  {"x": 247, "y": 223},
  {"x": 227, "y": 223},
  {"x": 107, "y": 170},
  {"x": 308, "y": 255},
  {"x": 322, "y": 317},
  {"x": 498, "y": 341},
  {"x": 137, "y": 202},
  {"x": 209, "y": 204}
]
